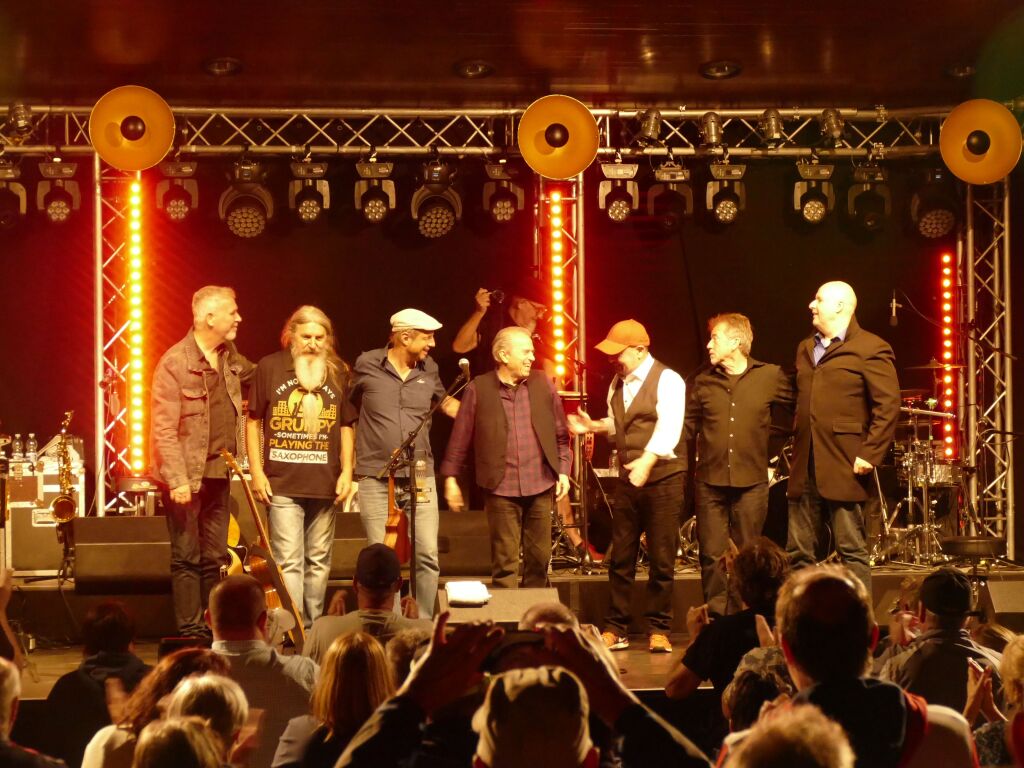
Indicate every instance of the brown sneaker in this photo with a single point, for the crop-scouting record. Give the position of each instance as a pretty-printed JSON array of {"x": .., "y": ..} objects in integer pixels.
[
  {"x": 659, "y": 643},
  {"x": 615, "y": 642}
]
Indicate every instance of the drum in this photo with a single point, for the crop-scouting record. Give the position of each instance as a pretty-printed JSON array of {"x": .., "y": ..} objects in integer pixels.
[{"x": 924, "y": 463}]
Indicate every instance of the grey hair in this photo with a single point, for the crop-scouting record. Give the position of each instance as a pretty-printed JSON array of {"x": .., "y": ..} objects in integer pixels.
[
  {"x": 10, "y": 691},
  {"x": 206, "y": 298},
  {"x": 503, "y": 337},
  {"x": 217, "y": 699}
]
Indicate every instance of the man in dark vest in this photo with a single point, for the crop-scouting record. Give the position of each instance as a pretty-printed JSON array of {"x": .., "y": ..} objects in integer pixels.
[
  {"x": 514, "y": 418},
  {"x": 646, "y": 401}
]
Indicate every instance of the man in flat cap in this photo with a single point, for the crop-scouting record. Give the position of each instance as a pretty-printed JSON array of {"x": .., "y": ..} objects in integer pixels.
[
  {"x": 934, "y": 664},
  {"x": 646, "y": 401},
  {"x": 394, "y": 388}
]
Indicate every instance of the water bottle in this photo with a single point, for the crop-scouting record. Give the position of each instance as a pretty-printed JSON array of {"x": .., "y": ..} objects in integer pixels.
[
  {"x": 32, "y": 448},
  {"x": 613, "y": 463},
  {"x": 17, "y": 448}
]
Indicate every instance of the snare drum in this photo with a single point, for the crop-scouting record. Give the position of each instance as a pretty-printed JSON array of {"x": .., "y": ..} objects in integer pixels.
[{"x": 925, "y": 464}]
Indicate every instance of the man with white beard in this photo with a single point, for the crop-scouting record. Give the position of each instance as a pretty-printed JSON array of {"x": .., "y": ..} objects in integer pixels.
[{"x": 300, "y": 439}]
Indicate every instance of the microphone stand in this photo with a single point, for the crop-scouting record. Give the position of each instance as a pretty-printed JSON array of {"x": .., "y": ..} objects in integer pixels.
[{"x": 405, "y": 456}]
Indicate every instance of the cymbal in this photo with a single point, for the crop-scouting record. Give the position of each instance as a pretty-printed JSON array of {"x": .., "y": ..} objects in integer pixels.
[
  {"x": 918, "y": 422},
  {"x": 914, "y": 394},
  {"x": 933, "y": 365}
]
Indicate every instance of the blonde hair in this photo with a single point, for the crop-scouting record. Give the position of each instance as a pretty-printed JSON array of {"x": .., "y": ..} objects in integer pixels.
[
  {"x": 1011, "y": 669},
  {"x": 801, "y": 737},
  {"x": 738, "y": 327},
  {"x": 217, "y": 699},
  {"x": 185, "y": 742},
  {"x": 355, "y": 678}
]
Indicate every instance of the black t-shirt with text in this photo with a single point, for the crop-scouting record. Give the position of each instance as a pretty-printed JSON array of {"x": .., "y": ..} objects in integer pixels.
[{"x": 296, "y": 464}]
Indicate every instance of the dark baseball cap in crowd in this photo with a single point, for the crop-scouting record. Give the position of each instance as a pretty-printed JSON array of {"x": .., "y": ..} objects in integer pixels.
[
  {"x": 377, "y": 567},
  {"x": 946, "y": 592}
]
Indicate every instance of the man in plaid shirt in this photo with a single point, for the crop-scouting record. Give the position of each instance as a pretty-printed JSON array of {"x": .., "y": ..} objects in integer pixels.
[{"x": 516, "y": 422}]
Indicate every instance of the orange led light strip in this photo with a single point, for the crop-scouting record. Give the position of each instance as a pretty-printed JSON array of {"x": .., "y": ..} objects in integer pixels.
[{"x": 137, "y": 410}]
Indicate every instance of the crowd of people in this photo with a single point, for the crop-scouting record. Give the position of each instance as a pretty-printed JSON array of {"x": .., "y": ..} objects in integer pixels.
[{"x": 803, "y": 676}]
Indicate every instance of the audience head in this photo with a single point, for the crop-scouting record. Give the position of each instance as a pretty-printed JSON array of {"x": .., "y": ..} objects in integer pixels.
[
  {"x": 537, "y": 717},
  {"x": 824, "y": 618},
  {"x": 142, "y": 706},
  {"x": 403, "y": 649},
  {"x": 178, "y": 743},
  {"x": 1011, "y": 670},
  {"x": 10, "y": 692},
  {"x": 540, "y": 615},
  {"x": 217, "y": 699},
  {"x": 107, "y": 628},
  {"x": 378, "y": 577},
  {"x": 946, "y": 598},
  {"x": 747, "y": 692},
  {"x": 238, "y": 609},
  {"x": 355, "y": 678},
  {"x": 760, "y": 568},
  {"x": 798, "y": 737}
]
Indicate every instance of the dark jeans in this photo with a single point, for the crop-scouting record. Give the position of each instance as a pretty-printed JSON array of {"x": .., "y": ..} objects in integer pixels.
[
  {"x": 808, "y": 516},
  {"x": 654, "y": 510},
  {"x": 199, "y": 547},
  {"x": 515, "y": 519},
  {"x": 725, "y": 513}
]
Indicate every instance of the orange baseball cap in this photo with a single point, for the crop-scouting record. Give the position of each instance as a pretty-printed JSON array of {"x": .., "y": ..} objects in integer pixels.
[{"x": 625, "y": 333}]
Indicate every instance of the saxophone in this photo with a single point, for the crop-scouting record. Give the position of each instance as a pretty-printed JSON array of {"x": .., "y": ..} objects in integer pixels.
[{"x": 64, "y": 508}]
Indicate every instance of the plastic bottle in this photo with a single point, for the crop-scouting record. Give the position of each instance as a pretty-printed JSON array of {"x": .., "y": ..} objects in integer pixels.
[
  {"x": 32, "y": 448},
  {"x": 17, "y": 448}
]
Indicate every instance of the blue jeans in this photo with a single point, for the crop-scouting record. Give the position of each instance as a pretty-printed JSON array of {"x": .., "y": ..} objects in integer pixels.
[
  {"x": 373, "y": 509},
  {"x": 808, "y": 516},
  {"x": 301, "y": 535}
]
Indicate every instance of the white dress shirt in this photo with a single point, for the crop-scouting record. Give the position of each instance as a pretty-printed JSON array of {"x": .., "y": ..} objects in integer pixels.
[{"x": 670, "y": 408}]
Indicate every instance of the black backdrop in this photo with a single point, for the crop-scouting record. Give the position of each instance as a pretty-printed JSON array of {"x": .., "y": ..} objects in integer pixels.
[{"x": 766, "y": 265}]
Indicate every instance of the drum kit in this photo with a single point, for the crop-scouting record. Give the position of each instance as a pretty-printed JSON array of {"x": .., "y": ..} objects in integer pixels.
[{"x": 925, "y": 472}]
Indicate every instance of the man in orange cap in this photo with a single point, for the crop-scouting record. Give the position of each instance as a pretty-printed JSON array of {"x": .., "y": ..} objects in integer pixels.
[{"x": 645, "y": 406}]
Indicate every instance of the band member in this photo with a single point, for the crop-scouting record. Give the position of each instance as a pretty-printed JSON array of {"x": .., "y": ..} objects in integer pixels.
[
  {"x": 394, "y": 389},
  {"x": 848, "y": 399},
  {"x": 299, "y": 439},
  {"x": 728, "y": 414},
  {"x": 515, "y": 419},
  {"x": 197, "y": 409},
  {"x": 645, "y": 406}
]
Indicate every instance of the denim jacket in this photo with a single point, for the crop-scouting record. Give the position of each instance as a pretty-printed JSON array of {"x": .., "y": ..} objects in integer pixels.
[{"x": 180, "y": 435}]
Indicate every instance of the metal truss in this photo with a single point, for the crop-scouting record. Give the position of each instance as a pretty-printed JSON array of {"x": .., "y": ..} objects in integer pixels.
[
  {"x": 985, "y": 256},
  {"x": 876, "y": 133},
  {"x": 113, "y": 360}
]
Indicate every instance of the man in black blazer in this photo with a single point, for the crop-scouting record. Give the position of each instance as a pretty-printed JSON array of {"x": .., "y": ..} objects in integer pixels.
[{"x": 848, "y": 399}]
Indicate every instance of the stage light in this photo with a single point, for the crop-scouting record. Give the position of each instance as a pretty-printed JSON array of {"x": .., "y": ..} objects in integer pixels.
[
  {"x": 19, "y": 120},
  {"x": 375, "y": 191},
  {"x": 934, "y": 206},
  {"x": 725, "y": 195},
  {"x": 13, "y": 197},
  {"x": 178, "y": 193},
  {"x": 671, "y": 198},
  {"x": 832, "y": 126},
  {"x": 309, "y": 194},
  {"x": 618, "y": 194},
  {"x": 435, "y": 205},
  {"x": 813, "y": 195},
  {"x": 246, "y": 205},
  {"x": 770, "y": 128},
  {"x": 869, "y": 201},
  {"x": 711, "y": 129},
  {"x": 502, "y": 197},
  {"x": 57, "y": 194},
  {"x": 650, "y": 128}
]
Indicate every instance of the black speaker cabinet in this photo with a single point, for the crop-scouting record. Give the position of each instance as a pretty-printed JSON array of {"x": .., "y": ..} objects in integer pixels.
[{"x": 122, "y": 555}]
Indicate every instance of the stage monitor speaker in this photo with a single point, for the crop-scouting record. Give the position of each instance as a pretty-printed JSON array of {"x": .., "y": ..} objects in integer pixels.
[
  {"x": 31, "y": 547},
  {"x": 1007, "y": 603},
  {"x": 122, "y": 555},
  {"x": 505, "y": 607}
]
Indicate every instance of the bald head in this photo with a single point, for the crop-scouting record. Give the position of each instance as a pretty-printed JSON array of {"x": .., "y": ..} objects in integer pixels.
[{"x": 833, "y": 307}]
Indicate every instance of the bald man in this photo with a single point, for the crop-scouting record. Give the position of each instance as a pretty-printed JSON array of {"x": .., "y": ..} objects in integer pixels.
[{"x": 848, "y": 399}]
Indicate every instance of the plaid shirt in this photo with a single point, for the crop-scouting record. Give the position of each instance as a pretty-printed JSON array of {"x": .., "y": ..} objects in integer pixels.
[{"x": 526, "y": 472}]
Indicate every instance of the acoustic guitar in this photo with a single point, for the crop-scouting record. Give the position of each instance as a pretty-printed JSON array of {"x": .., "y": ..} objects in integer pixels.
[{"x": 259, "y": 563}]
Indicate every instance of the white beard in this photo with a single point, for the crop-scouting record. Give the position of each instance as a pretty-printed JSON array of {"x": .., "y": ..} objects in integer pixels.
[{"x": 311, "y": 371}]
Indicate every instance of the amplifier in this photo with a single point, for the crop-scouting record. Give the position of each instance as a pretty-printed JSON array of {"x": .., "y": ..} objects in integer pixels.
[{"x": 30, "y": 533}]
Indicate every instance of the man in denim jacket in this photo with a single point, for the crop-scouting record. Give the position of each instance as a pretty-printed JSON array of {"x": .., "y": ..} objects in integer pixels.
[{"x": 197, "y": 404}]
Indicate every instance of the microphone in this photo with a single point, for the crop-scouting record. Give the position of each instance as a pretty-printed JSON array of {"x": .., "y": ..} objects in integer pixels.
[
  {"x": 464, "y": 367},
  {"x": 893, "y": 320}
]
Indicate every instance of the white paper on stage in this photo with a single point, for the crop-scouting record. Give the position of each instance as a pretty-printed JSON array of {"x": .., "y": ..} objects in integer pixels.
[{"x": 467, "y": 593}]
